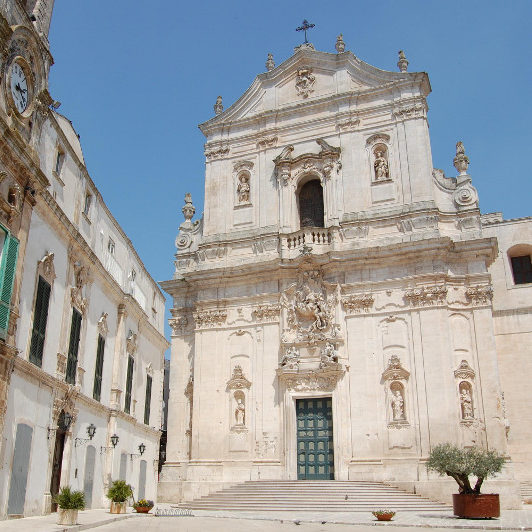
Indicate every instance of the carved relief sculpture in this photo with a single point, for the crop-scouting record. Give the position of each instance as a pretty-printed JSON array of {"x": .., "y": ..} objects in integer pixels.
[
  {"x": 328, "y": 356},
  {"x": 290, "y": 359},
  {"x": 188, "y": 228},
  {"x": 238, "y": 381},
  {"x": 210, "y": 318},
  {"x": 397, "y": 403},
  {"x": 243, "y": 188},
  {"x": 240, "y": 409},
  {"x": 380, "y": 165},
  {"x": 466, "y": 401},
  {"x": 305, "y": 82}
]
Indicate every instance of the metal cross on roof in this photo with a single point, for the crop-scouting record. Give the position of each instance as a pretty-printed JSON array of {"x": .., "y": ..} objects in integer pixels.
[{"x": 304, "y": 27}]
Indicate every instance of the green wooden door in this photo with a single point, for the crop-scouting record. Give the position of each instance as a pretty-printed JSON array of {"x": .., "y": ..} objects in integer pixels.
[{"x": 315, "y": 460}]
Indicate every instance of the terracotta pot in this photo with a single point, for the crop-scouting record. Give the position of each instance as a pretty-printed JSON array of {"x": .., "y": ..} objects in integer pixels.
[
  {"x": 473, "y": 506},
  {"x": 67, "y": 517},
  {"x": 117, "y": 507},
  {"x": 143, "y": 509},
  {"x": 384, "y": 517}
]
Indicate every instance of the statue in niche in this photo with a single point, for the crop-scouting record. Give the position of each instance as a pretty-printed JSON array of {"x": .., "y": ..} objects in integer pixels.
[
  {"x": 466, "y": 403},
  {"x": 290, "y": 359},
  {"x": 240, "y": 411},
  {"x": 243, "y": 188},
  {"x": 328, "y": 356},
  {"x": 397, "y": 405},
  {"x": 381, "y": 165},
  {"x": 310, "y": 300}
]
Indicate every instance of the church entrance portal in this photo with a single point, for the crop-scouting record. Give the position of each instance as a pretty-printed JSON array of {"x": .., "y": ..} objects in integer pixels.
[{"x": 315, "y": 459}]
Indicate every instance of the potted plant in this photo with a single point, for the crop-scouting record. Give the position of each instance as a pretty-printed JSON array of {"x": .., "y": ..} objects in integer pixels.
[
  {"x": 460, "y": 464},
  {"x": 143, "y": 506},
  {"x": 383, "y": 515},
  {"x": 119, "y": 493},
  {"x": 69, "y": 503}
]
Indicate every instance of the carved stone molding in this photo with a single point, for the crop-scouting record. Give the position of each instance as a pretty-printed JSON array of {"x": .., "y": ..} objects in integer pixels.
[
  {"x": 395, "y": 370},
  {"x": 267, "y": 142},
  {"x": 321, "y": 380},
  {"x": 103, "y": 328},
  {"x": 479, "y": 295},
  {"x": 464, "y": 371},
  {"x": 60, "y": 370},
  {"x": 238, "y": 381},
  {"x": 358, "y": 303},
  {"x": 178, "y": 324},
  {"x": 466, "y": 195},
  {"x": 46, "y": 269},
  {"x": 378, "y": 137},
  {"x": 414, "y": 111},
  {"x": 266, "y": 312},
  {"x": 81, "y": 279},
  {"x": 216, "y": 153},
  {"x": 348, "y": 124},
  {"x": 321, "y": 164},
  {"x": 210, "y": 318},
  {"x": 426, "y": 295}
]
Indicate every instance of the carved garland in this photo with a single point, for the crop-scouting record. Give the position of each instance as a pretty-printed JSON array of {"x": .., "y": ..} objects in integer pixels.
[
  {"x": 210, "y": 318},
  {"x": 426, "y": 295},
  {"x": 479, "y": 295},
  {"x": 266, "y": 312},
  {"x": 358, "y": 303}
]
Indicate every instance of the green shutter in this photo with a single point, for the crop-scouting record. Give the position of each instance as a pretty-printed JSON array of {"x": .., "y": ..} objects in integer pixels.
[
  {"x": 129, "y": 382},
  {"x": 73, "y": 347},
  {"x": 98, "y": 372},
  {"x": 147, "y": 400},
  {"x": 7, "y": 278},
  {"x": 40, "y": 317}
]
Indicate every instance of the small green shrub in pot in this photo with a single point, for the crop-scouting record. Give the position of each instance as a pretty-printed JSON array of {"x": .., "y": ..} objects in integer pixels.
[
  {"x": 70, "y": 500},
  {"x": 120, "y": 491}
]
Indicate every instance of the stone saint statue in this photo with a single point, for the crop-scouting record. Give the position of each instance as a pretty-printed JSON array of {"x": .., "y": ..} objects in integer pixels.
[
  {"x": 397, "y": 406},
  {"x": 381, "y": 166},
  {"x": 240, "y": 412},
  {"x": 466, "y": 404},
  {"x": 243, "y": 189}
]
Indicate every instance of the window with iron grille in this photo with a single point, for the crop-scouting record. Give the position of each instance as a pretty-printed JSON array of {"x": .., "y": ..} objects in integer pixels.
[
  {"x": 40, "y": 318},
  {"x": 129, "y": 384},
  {"x": 97, "y": 389},
  {"x": 147, "y": 401},
  {"x": 311, "y": 205},
  {"x": 73, "y": 347},
  {"x": 522, "y": 269}
]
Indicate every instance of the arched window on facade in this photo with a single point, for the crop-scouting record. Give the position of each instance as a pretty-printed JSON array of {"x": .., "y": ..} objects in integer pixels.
[
  {"x": 520, "y": 261},
  {"x": 311, "y": 213}
]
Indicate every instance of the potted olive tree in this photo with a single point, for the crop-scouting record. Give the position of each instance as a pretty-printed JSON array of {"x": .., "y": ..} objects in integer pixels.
[
  {"x": 460, "y": 464},
  {"x": 119, "y": 493},
  {"x": 69, "y": 503}
]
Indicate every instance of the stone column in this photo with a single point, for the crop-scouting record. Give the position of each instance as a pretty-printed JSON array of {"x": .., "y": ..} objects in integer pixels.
[{"x": 116, "y": 386}]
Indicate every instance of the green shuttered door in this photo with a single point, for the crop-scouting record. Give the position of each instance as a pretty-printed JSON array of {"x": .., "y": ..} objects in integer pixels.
[{"x": 315, "y": 459}]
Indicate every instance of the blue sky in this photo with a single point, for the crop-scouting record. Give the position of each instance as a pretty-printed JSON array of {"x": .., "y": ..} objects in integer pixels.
[{"x": 136, "y": 77}]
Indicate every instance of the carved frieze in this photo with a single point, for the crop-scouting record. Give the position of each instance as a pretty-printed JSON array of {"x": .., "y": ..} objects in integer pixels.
[
  {"x": 178, "y": 324},
  {"x": 358, "y": 303},
  {"x": 322, "y": 380},
  {"x": 266, "y": 312},
  {"x": 267, "y": 142},
  {"x": 348, "y": 124},
  {"x": 210, "y": 318},
  {"x": 426, "y": 295},
  {"x": 216, "y": 153},
  {"x": 305, "y": 81},
  {"x": 238, "y": 381},
  {"x": 479, "y": 295},
  {"x": 414, "y": 111},
  {"x": 291, "y": 359}
]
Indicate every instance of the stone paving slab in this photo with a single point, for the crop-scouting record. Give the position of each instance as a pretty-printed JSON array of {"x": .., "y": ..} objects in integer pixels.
[
  {"x": 509, "y": 520},
  {"x": 87, "y": 519}
]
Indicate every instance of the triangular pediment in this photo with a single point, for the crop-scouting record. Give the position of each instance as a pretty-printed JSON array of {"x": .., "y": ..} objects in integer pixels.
[{"x": 308, "y": 76}]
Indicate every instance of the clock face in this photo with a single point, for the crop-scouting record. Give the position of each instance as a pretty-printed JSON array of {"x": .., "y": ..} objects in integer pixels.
[{"x": 19, "y": 87}]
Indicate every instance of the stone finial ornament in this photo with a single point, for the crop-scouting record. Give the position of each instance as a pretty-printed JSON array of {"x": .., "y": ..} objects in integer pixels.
[
  {"x": 270, "y": 64},
  {"x": 218, "y": 106},
  {"x": 188, "y": 208},
  {"x": 461, "y": 161},
  {"x": 340, "y": 44},
  {"x": 403, "y": 62}
]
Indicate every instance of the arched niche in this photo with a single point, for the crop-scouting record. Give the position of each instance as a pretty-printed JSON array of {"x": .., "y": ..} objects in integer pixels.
[
  {"x": 465, "y": 391},
  {"x": 397, "y": 402}
]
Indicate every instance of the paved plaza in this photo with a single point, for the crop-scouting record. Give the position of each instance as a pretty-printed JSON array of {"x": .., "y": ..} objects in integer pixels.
[{"x": 202, "y": 521}]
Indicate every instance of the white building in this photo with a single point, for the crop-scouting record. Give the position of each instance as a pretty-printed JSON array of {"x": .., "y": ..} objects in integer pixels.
[
  {"x": 342, "y": 306},
  {"x": 83, "y": 356}
]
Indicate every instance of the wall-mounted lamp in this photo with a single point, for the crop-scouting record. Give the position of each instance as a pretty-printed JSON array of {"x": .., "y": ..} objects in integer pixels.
[
  {"x": 142, "y": 448},
  {"x": 63, "y": 423},
  {"x": 114, "y": 440},
  {"x": 91, "y": 431}
]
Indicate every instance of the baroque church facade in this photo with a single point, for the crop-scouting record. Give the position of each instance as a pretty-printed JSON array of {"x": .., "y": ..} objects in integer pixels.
[
  {"x": 81, "y": 320},
  {"x": 342, "y": 306}
]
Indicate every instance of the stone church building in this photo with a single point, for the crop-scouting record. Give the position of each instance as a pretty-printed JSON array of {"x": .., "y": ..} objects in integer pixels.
[{"x": 342, "y": 306}]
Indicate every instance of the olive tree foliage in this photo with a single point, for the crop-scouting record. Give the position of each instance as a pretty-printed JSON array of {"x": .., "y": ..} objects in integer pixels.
[{"x": 459, "y": 463}]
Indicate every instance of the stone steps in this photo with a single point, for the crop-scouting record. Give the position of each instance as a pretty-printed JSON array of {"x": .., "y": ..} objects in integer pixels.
[
  {"x": 526, "y": 492},
  {"x": 326, "y": 496}
]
